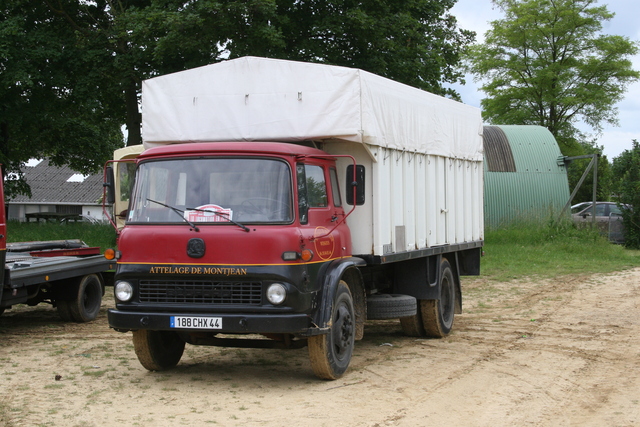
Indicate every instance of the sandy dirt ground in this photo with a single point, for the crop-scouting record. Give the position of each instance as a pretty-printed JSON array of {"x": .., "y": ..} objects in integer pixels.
[{"x": 563, "y": 352}]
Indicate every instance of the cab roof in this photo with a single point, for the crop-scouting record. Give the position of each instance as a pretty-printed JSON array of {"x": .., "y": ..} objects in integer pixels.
[{"x": 241, "y": 148}]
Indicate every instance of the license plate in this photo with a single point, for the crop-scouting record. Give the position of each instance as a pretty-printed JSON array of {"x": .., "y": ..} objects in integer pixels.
[{"x": 196, "y": 322}]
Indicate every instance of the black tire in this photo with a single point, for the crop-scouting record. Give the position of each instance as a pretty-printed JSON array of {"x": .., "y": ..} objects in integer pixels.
[
  {"x": 437, "y": 315},
  {"x": 390, "y": 306},
  {"x": 412, "y": 325},
  {"x": 330, "y": 354},
  {"x": 64, "y": 311},
  {"x": 85, "y": 305},
  {"x": 158, "y": 350}
]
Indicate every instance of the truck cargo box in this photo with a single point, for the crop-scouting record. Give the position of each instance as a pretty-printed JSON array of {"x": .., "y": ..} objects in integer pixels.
[{"x": 422, "y": 153}]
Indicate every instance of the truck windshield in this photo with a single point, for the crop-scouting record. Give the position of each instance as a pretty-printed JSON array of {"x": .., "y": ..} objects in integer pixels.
[{"x": 245, "y": 190}]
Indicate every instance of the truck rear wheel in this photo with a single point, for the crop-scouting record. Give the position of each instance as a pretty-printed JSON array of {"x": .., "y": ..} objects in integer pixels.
[
  {"x": 437, "y": 315},
  {"x": 330, "y": 354},
  {"x": 85, "y": 305},
  {"x": 158, "y": 350},
  {"x": 412, "y": 325}
]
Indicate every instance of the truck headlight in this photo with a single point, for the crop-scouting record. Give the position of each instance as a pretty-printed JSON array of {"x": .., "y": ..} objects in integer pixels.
[
  {"x": 276, "y": 293},
  {"x": 123, "y": 291}
]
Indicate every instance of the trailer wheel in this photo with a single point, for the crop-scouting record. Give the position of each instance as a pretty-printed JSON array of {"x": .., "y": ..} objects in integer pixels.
[
  {"x": 87, "y": 299},
  {"x": 330, "y": 354},
  {"x": 64, "y": 311},
  {"x": 158, "y": 350},
  {"x": 437, "y": 315}
]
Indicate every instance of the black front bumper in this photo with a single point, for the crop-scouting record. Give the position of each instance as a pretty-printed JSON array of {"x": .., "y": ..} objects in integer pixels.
[{"x": 299, "y": 324}]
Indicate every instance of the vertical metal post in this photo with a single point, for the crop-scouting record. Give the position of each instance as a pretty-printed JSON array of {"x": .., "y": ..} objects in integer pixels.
[{"x": 595, "y": 187}]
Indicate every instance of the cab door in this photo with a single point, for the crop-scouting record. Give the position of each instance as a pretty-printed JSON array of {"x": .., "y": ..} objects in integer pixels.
[{"x": 320, "y": 211}]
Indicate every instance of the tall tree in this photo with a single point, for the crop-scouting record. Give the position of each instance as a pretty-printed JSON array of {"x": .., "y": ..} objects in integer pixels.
[
  {"x": 626, "y": 185},
  {"x": 50, "y": 103},
  {"x": 71, "y": 73},
  {"x": 547, "y": 63},
  {"x": 417, "y": 43},
  {"x": 72, "y": 70}
]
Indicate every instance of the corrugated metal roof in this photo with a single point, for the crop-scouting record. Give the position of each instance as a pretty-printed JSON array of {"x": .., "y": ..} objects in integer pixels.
[
  {"x": 497, "y": 151},
  {"x": 59, "y": 185},
  {"x": 537, "y": 189},
  {"x": 535, "y": 149}
]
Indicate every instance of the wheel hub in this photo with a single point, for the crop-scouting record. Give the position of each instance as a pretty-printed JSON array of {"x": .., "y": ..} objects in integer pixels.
[{"x": 343, "y": 330}]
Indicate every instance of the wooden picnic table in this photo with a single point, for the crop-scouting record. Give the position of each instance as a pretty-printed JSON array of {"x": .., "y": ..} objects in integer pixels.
[{"x": 52, "y": 216}]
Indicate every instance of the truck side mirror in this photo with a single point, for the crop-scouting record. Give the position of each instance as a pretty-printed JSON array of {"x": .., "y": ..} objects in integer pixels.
[
  {"x": 109, "y": 184},
  {"x": 358, "y": 184}
]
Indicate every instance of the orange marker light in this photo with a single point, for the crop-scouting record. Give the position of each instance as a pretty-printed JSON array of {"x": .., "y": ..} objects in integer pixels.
[
  {"x": 306, "y": 255},
  {"x": 110, "y": 254}
]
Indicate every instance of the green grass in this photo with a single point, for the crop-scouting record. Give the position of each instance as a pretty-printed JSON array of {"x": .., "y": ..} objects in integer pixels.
[
  {"x": 522, "y": 250},
  {"x": 102, "y": 235},
  {"x": 535, "y": 250}
]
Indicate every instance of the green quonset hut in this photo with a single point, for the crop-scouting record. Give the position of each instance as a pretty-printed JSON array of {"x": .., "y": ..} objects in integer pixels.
[{"x": 525, "y": 177}]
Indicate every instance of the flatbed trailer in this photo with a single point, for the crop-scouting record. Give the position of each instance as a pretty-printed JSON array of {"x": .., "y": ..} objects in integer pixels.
[{"x": 68, "y": 274}]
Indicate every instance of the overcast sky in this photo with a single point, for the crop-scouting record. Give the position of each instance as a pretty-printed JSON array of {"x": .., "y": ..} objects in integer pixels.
[{"x": 475, "y": 15}]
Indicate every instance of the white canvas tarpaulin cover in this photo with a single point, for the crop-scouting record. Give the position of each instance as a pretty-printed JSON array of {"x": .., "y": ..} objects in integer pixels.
[{"x": 258, "y": 99}]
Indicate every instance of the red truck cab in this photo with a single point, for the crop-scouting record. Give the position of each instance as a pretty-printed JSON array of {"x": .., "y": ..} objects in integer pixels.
[{"x": 234, "y": 238}]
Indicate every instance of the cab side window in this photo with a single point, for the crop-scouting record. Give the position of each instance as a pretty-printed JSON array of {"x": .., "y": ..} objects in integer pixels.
[
  {"x": 335, "y": 188},
  {"x": 316, "y": 187}
]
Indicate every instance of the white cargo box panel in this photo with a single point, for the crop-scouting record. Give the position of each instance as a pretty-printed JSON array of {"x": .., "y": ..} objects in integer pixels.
[
  {"x": 413, "y": 201},
  {"x": 258, "y": 99},
  {"x": 422, "y": 153}
]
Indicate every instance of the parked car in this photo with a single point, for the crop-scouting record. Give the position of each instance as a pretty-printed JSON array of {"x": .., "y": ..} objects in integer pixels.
[
  {"x": 579, "y": 207},
  {"x": 608, "y": 218}
]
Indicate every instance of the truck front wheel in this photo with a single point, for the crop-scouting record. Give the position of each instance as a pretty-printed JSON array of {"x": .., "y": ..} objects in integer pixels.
[
  {"x": 330, "y": 354},
  {"x": 437, "y": 315},
  {"x": 158, "y": 350}
]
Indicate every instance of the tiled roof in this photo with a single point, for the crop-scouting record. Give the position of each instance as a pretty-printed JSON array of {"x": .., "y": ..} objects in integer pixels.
[{"x": 59, "y": 185}]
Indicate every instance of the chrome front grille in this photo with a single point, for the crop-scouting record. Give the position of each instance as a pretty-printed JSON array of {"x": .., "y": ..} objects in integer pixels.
[{"x": 201, "y": 292}]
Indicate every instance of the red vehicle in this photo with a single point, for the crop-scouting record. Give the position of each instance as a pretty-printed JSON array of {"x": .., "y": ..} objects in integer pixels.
[{"x": 289, "y": 242}]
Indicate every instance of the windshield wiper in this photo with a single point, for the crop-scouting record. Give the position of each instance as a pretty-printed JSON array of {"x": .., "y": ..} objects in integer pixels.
[
  {"x": 179, "y": 212},
  {"x": 223, "y": 215}
]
